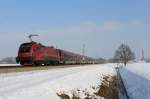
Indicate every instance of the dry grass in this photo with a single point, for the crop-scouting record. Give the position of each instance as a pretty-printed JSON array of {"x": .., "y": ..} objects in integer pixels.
[
  {"x": 107, "y": 89},
  {"x": 63, "y": 96}
]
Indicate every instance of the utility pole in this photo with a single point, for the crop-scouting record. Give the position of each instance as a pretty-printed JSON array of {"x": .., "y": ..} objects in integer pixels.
[{"x": 142, "y": 58}]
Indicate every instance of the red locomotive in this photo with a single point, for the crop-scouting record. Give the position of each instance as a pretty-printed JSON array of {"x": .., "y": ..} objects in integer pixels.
[{"x": 33, "y": 53}]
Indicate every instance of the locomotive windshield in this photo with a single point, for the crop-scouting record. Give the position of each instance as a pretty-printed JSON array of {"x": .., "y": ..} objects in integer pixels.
[{"x": 25, "y": 47}]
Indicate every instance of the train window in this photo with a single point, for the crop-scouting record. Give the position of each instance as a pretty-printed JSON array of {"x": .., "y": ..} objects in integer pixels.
[
  {"x": 25, "y": 47},
  {"x": 37, "y": 49}
]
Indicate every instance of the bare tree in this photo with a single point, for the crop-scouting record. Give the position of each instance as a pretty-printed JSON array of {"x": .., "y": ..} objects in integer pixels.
[{"x": 124, "y": 54}]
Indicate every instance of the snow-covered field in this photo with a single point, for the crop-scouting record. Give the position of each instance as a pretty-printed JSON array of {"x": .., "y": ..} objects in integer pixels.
[
  {"x": 136, "y": 78},
  {"x": 45, "y": 84},
  {"x": 10, "y": 65}
]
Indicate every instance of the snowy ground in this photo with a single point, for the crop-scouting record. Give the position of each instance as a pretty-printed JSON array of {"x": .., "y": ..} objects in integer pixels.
[
  {"x": 136, "y": 78},
  {"x": 10, "y": 65},
  {"x": 45, "y": 84}
]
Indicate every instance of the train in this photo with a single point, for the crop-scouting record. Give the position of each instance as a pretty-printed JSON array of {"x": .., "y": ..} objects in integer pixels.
[{"x": 33, "y": 53}]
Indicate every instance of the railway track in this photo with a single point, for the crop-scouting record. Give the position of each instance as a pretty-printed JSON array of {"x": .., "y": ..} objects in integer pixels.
[
  {"x": 122, "y": 92},
  {"x": 9, "y": 69}
]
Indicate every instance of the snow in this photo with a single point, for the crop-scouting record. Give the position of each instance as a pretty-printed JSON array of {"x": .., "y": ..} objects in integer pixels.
[
  {"x": 45, "y": 84},
  {"x": 10, "y": 65},
  {"x": 136, "y": 78}
]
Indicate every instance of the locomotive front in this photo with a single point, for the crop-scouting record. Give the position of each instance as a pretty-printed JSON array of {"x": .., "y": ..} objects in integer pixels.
[{"x": 25, "y": 56}]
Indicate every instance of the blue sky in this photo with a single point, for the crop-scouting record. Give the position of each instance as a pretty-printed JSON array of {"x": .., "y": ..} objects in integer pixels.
[{"x": 102, "y": 25}]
